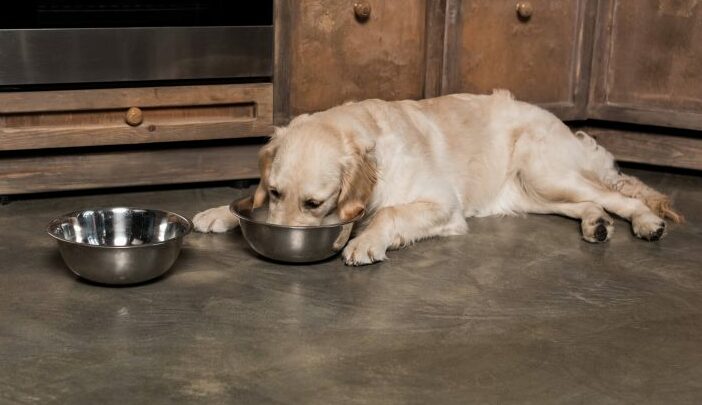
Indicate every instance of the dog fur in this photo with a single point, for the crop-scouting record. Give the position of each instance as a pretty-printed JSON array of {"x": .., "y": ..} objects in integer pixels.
[{"x": 419, "y": 168}]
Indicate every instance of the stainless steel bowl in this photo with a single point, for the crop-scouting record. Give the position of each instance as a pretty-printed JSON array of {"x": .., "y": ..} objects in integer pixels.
[
  {"x": 294, "y": 244},
  {"x": 119, "y": 245}
]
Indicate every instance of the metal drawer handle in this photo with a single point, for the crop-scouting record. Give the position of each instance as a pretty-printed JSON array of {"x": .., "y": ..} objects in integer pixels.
[
  {"x": 134, "y": 116},
  {"x": 362, "y": 10},
  {"x": 524, "y": 10}
]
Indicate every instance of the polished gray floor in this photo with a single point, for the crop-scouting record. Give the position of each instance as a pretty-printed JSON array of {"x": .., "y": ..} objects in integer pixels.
[{"x": 518, "y": 311}]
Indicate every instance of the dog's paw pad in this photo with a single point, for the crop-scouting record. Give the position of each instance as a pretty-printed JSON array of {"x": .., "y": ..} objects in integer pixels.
[
  {"x": 657, "y": 234},
  {"x": 598, "y": 230},
  {"x": 601, "y": 233},
  {"x": 649, "y": 227}
]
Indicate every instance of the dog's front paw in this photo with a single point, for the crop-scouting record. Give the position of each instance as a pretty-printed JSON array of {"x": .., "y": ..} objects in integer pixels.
[
  {"x": 364, "y": 250},
  {"x": 216, "y": 220}
]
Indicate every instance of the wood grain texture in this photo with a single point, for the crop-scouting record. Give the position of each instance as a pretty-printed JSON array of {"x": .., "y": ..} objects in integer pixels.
[
  {"x": 37, "y": 138},
  {"x": 282, "y": 58},
  {"x": 335, "y": 58},
  {"x": 656, "y": 149},
  {"x": 97, "y": 170},
  {"x": 65, "y": 100},
  {"x": 435, "y": 34},
  {"x": 647, "y": 63},
  {"x": 55, "y": 119},
  {"x": 544, "y": 59}
]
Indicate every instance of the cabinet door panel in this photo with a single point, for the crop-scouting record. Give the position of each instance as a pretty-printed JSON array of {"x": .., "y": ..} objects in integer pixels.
[
  {"x": 649, "y": 63},
  {"x": 542, "y": 58},
  {"x": 334, "y": 57}
]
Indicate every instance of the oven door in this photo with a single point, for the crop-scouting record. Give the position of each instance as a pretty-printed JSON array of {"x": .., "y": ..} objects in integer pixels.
[
  {"x": 119, "y": 54},
  {"x": 98, "y": 41}
]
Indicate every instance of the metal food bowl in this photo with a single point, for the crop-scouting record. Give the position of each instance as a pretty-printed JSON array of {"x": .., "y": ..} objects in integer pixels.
[
  {"x": 119, "y": 245},
  {"x": 293, "y": 244}
]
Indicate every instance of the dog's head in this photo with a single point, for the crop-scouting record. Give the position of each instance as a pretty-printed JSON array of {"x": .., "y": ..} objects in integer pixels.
[{"x": 312, "y": 173}]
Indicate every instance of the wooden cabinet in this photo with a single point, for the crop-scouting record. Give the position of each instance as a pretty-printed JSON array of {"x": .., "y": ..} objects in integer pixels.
[
  {"x": 627, "y": 61},
  {"x": 330, "y": 51},
  {"x": 623, "y": 61},
  {"x": 648, "y": 63},
  {"x": 538, "y": 49}
]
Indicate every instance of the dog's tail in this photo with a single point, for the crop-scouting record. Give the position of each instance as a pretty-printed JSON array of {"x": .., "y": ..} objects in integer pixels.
[
  {"x": 629, "y": 186},
  {"x": 658, "y": 202}
]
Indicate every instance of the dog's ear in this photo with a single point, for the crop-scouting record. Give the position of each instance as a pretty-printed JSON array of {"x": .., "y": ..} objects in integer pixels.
[
  {"x": 358, "y": 179},
  {"x": 265, "y": 160}
]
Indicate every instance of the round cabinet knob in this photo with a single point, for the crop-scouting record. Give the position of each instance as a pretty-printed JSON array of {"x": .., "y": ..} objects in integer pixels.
[
  {"x": 362, "y": 10},
  {"x": 524, "y": 10},
  {"x": 134, "y": 116}
]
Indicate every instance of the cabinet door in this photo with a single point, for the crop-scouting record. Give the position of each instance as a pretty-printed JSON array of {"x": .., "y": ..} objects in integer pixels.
[
  {"x": 648, "y": 63},
  {"x": 538, "y": 49},
  {"x": 328, "y": 55}
]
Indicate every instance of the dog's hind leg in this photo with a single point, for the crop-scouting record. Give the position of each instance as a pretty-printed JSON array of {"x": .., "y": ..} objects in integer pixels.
[
  {"x": 595, "y": 224},
  {"x": 577, "y": 170},
  {"x": 601, "y": 165},
  {"x": 625, "y": 195},
  {"x": 558, "y": 197},
  {"x": 398, "y": 226},
  {"x": 659, "y": 203},
  {"x": 644, "y": 222}
]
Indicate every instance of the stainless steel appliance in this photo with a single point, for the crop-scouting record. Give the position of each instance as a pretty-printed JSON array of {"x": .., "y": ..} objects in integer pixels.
[{"x": 93, "y": 41}]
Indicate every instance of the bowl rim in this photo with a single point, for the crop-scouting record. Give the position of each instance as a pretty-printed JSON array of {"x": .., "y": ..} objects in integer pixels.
[
  {"x": 233, "y": 209},
  {"x": 62, "y": 218}
]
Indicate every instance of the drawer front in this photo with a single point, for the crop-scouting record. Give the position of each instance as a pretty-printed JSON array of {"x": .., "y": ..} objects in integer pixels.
[
  {"x": 537, "y": 49},
  {"x": 56, "y": 119}
]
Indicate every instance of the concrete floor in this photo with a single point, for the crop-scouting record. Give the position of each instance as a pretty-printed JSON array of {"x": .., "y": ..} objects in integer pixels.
[{"x": 518, "y": 311}]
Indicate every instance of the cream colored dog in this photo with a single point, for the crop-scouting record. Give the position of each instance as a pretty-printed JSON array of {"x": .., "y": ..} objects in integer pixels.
[{"x": 419, "y": 168}]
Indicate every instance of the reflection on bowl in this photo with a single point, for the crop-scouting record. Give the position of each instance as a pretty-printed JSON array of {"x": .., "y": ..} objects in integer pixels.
[
  {"x": 119, "y": 245},
  {"x": 294, "y": 244}
]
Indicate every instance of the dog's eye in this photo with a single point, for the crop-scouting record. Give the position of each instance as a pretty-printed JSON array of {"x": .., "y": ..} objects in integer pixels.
[
  {"x": 274, "y": 193},
  {"x": 312, "y": 204}
]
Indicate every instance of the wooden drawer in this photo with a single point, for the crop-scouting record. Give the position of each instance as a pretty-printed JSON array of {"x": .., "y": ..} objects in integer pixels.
[{"x": 56, "y": 119}]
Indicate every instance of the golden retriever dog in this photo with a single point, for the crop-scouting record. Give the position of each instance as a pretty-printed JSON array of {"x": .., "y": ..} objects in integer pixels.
[{"x": 419, "y": 168}]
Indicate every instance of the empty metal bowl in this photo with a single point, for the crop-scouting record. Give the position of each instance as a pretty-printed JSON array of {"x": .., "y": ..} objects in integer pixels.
[
  {"x": 294, "y": 244},
  {"x": 119, "y": 245}
]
